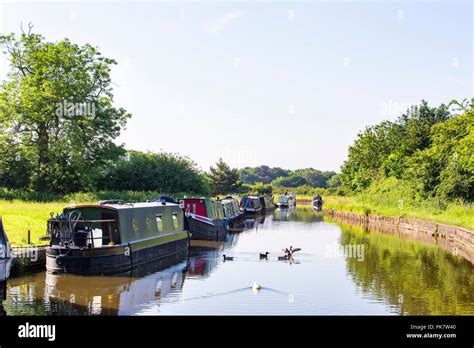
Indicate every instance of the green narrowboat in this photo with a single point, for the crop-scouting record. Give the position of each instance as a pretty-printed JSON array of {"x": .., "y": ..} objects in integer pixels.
[
  {"x": 267, "y": 203},
  {"x": 114, "y": 237},
  {"x": 234, "y": 218}
]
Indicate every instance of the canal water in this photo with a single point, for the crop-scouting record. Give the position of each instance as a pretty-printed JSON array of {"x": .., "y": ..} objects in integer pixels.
[{"x": 341, "y": 270}]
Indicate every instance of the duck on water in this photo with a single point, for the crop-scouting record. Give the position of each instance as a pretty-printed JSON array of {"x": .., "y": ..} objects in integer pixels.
[{"x": 114, "y": 237}]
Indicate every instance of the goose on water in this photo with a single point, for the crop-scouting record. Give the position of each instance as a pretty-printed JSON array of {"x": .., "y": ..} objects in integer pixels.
[
  {"x": 228, "y": 258},
  {"x": 290, "y": 251}
]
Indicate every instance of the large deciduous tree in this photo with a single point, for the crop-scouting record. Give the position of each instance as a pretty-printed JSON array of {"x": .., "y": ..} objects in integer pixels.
[{"x": 56, "y": 107}]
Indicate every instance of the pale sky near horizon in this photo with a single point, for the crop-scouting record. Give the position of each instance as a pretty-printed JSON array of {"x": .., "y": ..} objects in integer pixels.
[{"x": 287, "y": 84}]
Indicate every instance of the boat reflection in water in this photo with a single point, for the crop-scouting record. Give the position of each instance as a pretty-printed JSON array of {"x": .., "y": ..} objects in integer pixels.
[
  {"x": 302, "y": 214},
  {"x": 255, "y": 222},
  {"x": 284, "y": 214},
  {"x": 66, "y": 294},
  {"x": 3, "y": 294},
  {"x": 202, "y": 261}
]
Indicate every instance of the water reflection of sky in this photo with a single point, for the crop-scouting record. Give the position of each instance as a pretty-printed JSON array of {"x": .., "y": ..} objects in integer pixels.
[{"x": 320, "y": 280}]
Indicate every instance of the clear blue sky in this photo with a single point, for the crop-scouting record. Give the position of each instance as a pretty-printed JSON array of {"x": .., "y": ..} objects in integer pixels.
[{"x": 286, "y": 84}]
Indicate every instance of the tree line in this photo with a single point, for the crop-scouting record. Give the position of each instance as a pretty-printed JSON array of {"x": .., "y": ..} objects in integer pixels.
[
  {"x": 289, "y": 178},
  {"x": 430, "y": 150}
]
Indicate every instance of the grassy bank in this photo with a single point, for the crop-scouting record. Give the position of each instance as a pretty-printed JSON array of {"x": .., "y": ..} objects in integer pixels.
[
  {"x": 456, "y": 214},
  {"x": 19, "y": 216}
]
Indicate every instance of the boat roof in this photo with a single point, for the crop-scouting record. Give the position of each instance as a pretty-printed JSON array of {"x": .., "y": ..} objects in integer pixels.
[
  {"x": 123, "y": 206},
  {"x": 228, "y": 200},
  {"x": 166, "y": 199}
]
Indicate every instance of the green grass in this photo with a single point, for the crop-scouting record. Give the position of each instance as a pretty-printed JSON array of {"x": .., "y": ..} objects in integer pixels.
[
  {"x": 19, "y": 216},
  {"x": 456, "y": 214},
  {"x": 392, "y": 197}
]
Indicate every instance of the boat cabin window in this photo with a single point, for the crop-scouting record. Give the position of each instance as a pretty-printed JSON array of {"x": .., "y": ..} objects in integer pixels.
[
  {"x": 175, "y": 221},
  {"x": 148, "y": 224},
  {"x": 159, "y": 223},
  {"x": 194, "y": 208},
  {"x": 134, "y": 225}
]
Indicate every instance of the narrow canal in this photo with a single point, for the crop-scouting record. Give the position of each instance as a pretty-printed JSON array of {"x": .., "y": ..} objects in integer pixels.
[{"x": 340, "y": 270}]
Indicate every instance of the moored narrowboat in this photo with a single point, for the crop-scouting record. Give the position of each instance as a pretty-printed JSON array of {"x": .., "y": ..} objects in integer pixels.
[
  {"x": 267, "y": 203},
  {"x": 317, "y": 203},
  {"x": 205, "y": 219},
  {"x": 6, "y": 259},
  {"x": 234, "y": 218},
  {"x": 286, "y": 201},
  {"x": 251, "y": 205},
  {"x": 166, "y": 199},
  {"x": 113, "y": 237}
]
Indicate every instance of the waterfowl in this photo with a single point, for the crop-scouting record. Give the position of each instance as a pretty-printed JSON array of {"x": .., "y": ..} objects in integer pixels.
[
  {"x": 228, "y": 258},
  {"x": 256, "y": 286},
  {"x": 290, "y": 251},
  {"x": 281, "y": 258},
  {"x": 264, "y": 256}
]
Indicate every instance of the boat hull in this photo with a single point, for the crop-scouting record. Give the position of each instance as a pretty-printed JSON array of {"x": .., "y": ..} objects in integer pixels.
[
  {"x": 6, "y": 255},
  {"x": 116, "y": 259},
  {"x": 285, "y": 205},
  {"x": 3, "y": 290},
  {"x": 210, "y": 230},
  {"x": 236, "y": 223},
  {"x": 252, "y": 212},
  {"x": 317, "y": 207}
]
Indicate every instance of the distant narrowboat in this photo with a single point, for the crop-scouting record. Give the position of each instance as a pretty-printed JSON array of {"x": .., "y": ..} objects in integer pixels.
[
  {"x": 165, "y": 199},
  {"x": 234, "y": 218},
  {"x": 114, "y": 237},
  {"x": 6, "y": 259},
  {"x": 267, "y": 203},
  {"x": 205, "y": 219},
  {"x": 251, "y": 205},
  {"x": 317, "y": 203},
  {"x": 286, "y": 201}
]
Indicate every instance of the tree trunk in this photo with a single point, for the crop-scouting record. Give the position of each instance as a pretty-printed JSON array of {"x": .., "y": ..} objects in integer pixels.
[{"x": 43, "y": 148}]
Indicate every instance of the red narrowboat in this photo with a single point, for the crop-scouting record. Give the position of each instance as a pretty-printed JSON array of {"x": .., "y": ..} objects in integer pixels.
[{"x": 205, "y": 219}]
